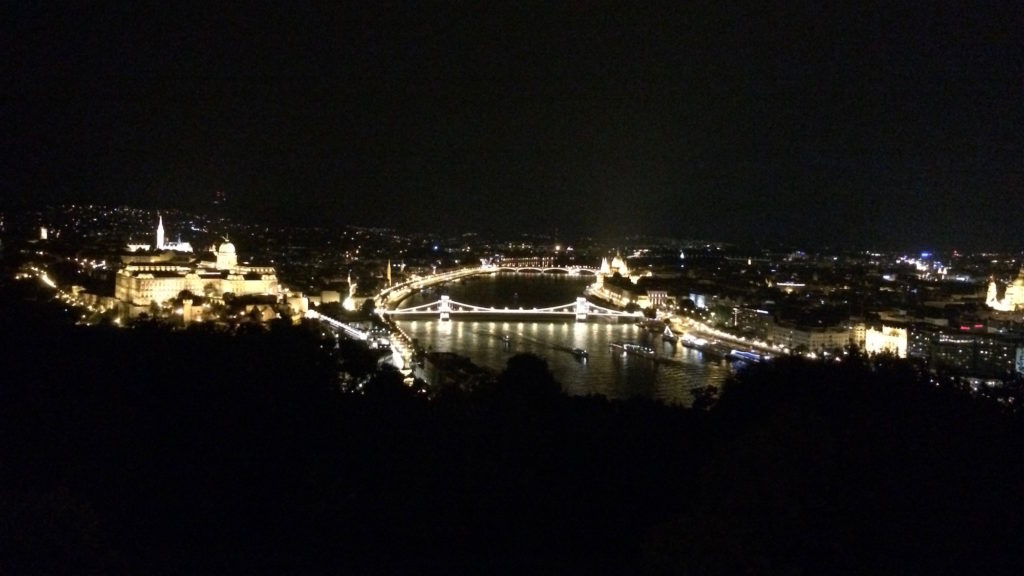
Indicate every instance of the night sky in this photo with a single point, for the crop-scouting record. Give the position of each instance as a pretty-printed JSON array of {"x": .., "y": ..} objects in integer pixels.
[{"x": 886, "y": 125}]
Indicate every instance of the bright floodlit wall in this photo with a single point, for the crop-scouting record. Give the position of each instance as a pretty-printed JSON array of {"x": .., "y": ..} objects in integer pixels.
[
  {"x": 813, "y": 339},
  {"x": 887, "y": 339}
]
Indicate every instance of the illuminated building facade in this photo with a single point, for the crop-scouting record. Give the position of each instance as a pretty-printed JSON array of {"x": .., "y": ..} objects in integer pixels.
[
  {"x": 657, "y": 298},
  {"x": 975, "y": 354},
  {"x": 617, "y": 265},
  {"x": 812, "y": 339},
  {"x": 1013, "y": 298},
  {"x": 968, "y": 349},
  {"x": 138, "y": 285},
  {"x": 751, "y": 321},
  {"x": 888, "y": 339},
  {"x": 919, "y": 340}
]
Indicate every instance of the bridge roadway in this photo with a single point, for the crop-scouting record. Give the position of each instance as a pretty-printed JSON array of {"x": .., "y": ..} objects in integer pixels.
[
  {"x": 350, "y": 331},
  {"x": 401, "y": 349}
]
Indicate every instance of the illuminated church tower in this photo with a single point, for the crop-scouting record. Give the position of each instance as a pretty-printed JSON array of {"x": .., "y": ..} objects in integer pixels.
[{"x": 160, "y": 234}]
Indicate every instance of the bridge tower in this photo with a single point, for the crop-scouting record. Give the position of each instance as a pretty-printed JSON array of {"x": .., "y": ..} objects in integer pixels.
[
  {"x": 582, "y": 307},
  {"x": 445, "y": 307}
]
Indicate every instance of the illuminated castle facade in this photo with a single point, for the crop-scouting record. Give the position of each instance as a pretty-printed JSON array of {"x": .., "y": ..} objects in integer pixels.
[
  {"x": 1013, "y": 298},
  {"x": 138, "y": 285}
]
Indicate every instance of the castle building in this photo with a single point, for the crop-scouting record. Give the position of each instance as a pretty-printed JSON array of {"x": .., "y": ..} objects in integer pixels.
[{"x": 138, "y": 285}]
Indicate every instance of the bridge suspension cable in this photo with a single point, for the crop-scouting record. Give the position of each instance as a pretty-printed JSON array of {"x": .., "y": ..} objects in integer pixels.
[{"x": 445, "y": 307}]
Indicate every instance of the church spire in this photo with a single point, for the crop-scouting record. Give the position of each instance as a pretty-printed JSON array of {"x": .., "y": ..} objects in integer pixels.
[{"x": 160, "y": 233}]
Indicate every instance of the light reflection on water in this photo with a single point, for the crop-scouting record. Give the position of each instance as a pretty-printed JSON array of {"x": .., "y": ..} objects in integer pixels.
[{"x": 670, "y": 376}]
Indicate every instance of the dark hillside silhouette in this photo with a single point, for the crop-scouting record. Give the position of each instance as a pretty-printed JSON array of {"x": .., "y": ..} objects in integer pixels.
[{"x": 151, "y": 451}]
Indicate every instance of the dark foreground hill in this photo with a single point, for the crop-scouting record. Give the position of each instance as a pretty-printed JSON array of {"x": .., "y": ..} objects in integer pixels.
[{"x": 154, "y": 452}]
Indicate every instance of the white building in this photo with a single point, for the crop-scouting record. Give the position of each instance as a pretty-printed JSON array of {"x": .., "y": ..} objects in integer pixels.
[
  {"x": 813, "y": 339},
  {"x": 888, "y": 339},
  {"x": 1013, "y": 298}
]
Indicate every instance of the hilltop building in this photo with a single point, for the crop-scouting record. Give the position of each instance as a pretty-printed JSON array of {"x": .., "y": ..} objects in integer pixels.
[{"x": 140, "y": 284}]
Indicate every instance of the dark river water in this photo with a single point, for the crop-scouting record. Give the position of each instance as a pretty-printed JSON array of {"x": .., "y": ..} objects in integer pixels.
[{"x": 670, "y": 375}]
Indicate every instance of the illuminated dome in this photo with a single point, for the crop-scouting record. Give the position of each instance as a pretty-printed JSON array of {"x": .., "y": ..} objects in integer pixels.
[{"x": 226, "y": 257}]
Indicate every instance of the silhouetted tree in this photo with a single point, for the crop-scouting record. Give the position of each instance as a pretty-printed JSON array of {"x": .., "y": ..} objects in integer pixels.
[
  {"x": 704, "y": 397},
  {"x": 386, "y": 384},
  {"x": 356, "y": 359},
  {"x": 151, "y": 450},
  {"x": 367, "y": 307},
  {"x": 858, "y": 468},
  {"x": 527, "y": 382}
]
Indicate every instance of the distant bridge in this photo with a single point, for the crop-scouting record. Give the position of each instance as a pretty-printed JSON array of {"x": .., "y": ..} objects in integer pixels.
[
  {"x": 399, "y": 292},
  {"x": 570, "y": 270},
  {"x": 445, "y": 308}
]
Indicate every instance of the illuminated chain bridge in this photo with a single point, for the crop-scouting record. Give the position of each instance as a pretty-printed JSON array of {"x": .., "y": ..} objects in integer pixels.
[
  {"x": 400, "y": 291},
  {"x": 446, "y": 308}
]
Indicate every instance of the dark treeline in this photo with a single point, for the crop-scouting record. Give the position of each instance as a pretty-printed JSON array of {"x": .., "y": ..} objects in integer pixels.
[{"x": 148, "y": 451}]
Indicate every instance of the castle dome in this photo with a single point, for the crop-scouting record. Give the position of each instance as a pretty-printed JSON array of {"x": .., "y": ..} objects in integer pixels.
[{"x": 226, "y": 248}]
